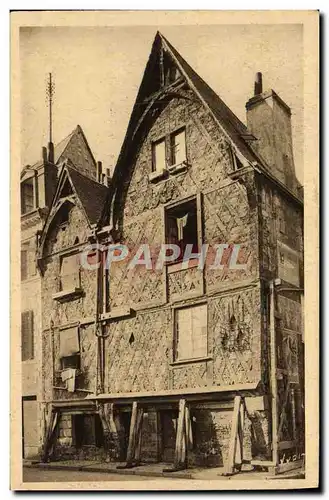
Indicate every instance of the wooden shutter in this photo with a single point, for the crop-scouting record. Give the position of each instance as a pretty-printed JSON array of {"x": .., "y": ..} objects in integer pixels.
[
  {"x": 27, "y": 334},
  {"x": 69, "y": 342},
  {"x": 24, "y": 262},
  {"x": 191, "y": 334},
  {"x": 70, "y": 272}
]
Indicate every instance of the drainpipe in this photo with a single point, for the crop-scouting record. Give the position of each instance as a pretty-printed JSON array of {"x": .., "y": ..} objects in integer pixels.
[
  {"x": 274, "y": 387},
  {"x": 100, "y": 346}
]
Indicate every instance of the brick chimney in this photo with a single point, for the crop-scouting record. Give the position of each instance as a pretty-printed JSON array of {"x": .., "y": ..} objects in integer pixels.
[{"x": 269, "y": 120}]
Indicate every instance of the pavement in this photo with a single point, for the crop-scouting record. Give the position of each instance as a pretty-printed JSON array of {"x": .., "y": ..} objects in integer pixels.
[{"x": 102, "y": 471}]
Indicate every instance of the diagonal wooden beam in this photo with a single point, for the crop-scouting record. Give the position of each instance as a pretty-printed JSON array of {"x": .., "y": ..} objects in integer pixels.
[{"x": 229, "y": 466}]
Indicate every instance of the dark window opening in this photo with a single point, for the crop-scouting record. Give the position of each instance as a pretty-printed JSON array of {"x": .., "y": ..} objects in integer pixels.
[
  {"x": 71, "y": 362},
  {"x": 88, "y": 431},
  {"x": 238, "y": 163},
  {"x": 27, "y": 335},
  {"x": 63, "y": 215},
  {"x": 181, "y": 227},
  {"x": 27, "y": 196},
  {"x": 171, "y": 72}
]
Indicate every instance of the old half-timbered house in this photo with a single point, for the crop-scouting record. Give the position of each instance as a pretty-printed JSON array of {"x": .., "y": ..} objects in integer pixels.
[
  {"x": 198, "y": 361},
  {"x": 38, "y": 185}
]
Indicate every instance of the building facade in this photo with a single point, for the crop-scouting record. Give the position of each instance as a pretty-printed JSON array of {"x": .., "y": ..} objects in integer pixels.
[
  {"x": 183, "y": 363},
  {"x": 38, "y": 185}
]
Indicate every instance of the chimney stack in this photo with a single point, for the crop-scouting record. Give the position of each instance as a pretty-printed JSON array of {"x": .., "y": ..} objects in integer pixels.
[
  {"x": 269, "y": 120},
  {"x": 44, "y": 154},
  {"x": 99, "y": 171},
  {"x": 51, "y": 153},
  {"x": 258, "y": 87}
]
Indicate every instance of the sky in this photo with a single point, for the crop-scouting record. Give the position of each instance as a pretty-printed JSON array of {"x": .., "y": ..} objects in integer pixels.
[{"x": 98, "y": 70}]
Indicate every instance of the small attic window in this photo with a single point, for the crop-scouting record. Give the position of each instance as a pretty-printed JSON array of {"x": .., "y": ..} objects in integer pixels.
[
  {"x": 171, "y": 72},
  {"x": 63, "y": 215},
  {"x": 27, "y": 196}
]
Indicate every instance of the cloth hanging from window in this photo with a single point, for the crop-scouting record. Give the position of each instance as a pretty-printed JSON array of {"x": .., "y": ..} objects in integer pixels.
[
  {"x": 68, "y": 342},
  {"x": 181, "y": 223},
  {"x": 68, "y": 376}
]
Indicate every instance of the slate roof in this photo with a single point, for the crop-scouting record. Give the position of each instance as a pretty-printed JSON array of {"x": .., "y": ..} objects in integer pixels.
[
  {"x": 92, "y": 194},
  {"x": 222, "y": 112},
  {"x": 61, "y": 146}
]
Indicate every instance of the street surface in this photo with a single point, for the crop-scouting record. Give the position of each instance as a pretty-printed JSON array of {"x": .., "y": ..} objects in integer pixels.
[{"x": 36, "y": 475}]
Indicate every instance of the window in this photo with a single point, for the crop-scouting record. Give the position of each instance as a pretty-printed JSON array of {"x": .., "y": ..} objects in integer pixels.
[
  {"x": 181, "y": 226},
  {"x": 69, "y": 348},
  {"x": 159, "y": 156},
  {"x": 170, "y": 70},
  {"x": 27, "y": 196},
  {"x": 27, "y": 335},
  {"x": 70, "y": 272},
  {"x": 173, "y": 144},
  {"x": 191, "y": 332},
  {"x": 178, "y": 147}
]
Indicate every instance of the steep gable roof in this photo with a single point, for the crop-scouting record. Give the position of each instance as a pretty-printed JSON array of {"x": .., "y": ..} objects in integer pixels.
[
  {"x": 91, "y": 195},
  {"x": 233, "y": 128}
]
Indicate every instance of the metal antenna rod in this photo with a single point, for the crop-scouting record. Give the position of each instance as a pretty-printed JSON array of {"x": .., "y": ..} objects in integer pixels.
[{"x": 50, "y": 90}]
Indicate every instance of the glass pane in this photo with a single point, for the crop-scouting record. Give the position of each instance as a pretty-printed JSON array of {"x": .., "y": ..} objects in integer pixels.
[
  {"x": 159, "y": 156},
  {"x": 179, "y": 153}
]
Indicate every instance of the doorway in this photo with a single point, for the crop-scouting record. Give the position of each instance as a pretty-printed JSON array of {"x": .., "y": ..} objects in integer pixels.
[{"x": 168, "y": 419}]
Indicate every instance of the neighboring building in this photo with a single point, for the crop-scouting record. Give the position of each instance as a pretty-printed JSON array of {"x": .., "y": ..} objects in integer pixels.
[
  {"x": 38, "y": 185},
  {"x": 179, "y": 365}
]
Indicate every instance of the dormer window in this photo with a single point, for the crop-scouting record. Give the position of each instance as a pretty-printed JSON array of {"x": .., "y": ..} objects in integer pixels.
[{"x": 27, "y": 196}]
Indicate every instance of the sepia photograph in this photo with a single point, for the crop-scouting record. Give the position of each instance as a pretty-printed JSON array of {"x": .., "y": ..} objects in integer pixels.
[{"x": 160, "y": 170}]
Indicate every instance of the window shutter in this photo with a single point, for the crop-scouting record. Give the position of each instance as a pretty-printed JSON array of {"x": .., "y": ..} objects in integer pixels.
[
  {"x": 27, "y": 335},
  {"x": 23, "y": 265},
  {"x": 191, "y": 332},
  {"x": 69, "y": 342}
]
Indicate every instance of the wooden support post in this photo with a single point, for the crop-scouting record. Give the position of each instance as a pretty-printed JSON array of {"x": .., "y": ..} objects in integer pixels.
[
  {"x": 139, "y": 426},
  {"x": 134, "y": 445},
  {"x": 112, "y": 427},
  {"x": 180, "y": 450},
  {"x": 229, "y": 467},
  {"x": 274, "y": 385},
  {"x": 293, "y": 412},
  {"x": 188, "y": 429},
  {"x": 239, "y": 453},
  {"x": 49, "y": 441}
]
